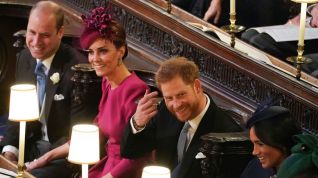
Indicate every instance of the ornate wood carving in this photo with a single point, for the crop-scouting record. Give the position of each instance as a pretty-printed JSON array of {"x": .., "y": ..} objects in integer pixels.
[
  {"x": 87, "y": 84},
  {"x": 224, "y": 152},
  {"x": 86, "y": 93},
  {"x": 233, "y": 77}
]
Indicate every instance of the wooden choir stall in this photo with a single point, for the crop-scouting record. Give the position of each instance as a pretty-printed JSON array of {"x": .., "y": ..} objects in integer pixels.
[{"x": 237, "y": 78}]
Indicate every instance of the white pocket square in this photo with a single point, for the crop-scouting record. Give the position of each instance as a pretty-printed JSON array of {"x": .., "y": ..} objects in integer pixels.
[
  {"x": 58, "y": 97},
  {"x": 200, "y": 155}
]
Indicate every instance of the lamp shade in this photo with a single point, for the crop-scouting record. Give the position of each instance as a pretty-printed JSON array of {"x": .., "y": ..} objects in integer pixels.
[
  {"x": 24, "y": 105},
  {"x": 155, "y": 172},
  {"x": 305, "y": 1},
  {"x": 84, "y": 147}
]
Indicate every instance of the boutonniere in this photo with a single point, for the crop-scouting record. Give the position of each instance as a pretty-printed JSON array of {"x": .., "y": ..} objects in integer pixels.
[
  {"x": 200, "y": 155},
  {"x": 55, "y": 78}
]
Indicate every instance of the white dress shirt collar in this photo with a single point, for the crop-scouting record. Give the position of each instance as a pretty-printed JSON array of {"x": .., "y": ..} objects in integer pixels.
[
  {"x": 47, "y": 63},
  {"x": 194, "y": 123}
]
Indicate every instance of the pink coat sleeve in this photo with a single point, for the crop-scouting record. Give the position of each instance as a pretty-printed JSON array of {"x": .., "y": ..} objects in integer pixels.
[{"x": 130, "y": 166}]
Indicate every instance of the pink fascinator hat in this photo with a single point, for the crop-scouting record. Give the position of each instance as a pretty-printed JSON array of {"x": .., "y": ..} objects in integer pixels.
[{"x": 97, "y": 24}]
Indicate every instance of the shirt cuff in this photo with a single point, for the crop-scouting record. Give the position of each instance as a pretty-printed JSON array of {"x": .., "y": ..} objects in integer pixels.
[
  {"x": 11, "y": 149},
  {"x": 134, "y": 130}
]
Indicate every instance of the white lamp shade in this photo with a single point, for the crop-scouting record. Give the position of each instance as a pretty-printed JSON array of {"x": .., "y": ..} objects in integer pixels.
[
  {"x": 84, "y": 146},
  {"x": 24, "y": 105},
  {"x": 155, "y": 172},
  {"x": 305, "y": 1}
]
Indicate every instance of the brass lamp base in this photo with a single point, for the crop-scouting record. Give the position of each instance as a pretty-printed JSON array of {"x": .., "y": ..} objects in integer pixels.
[{"x": 21, "y": 170}]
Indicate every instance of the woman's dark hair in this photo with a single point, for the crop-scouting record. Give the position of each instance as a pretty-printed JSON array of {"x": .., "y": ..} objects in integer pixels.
[
  {"x": 118, "y": 36},
  {"x": 275, "y": 127}
]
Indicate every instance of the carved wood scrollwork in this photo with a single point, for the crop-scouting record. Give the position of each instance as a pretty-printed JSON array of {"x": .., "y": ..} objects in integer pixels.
[
  {"x": 224, "y": 152},
  {"x": 211, "y": 165}
]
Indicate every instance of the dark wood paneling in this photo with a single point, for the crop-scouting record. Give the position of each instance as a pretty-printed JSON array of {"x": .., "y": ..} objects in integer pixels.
[{"x": 8, "y": 57}]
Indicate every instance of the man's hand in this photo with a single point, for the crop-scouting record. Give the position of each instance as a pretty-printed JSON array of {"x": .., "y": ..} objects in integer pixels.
[
  {"x": 37, "y": 163},
  {"x": 146, "y": 109},
  {"x": 10, "y": 156},
  {"x": 214, "y": 11}
]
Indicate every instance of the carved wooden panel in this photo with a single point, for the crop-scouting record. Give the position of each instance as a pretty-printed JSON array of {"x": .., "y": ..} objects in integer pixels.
[{"x": 223, "y": 152}]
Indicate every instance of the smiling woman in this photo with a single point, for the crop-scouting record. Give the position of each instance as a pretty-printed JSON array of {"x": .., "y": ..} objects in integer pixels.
[{"x": 271, "y": 132}]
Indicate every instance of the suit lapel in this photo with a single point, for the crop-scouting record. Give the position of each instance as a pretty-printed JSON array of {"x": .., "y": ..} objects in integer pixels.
[
  {"x": 56, "y": 67},
  {"x": 32, "y": 76},
  {"x": 26, "y": 73}
]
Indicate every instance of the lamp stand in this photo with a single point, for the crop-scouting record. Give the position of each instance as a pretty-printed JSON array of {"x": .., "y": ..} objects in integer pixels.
[
  {"x": 84, "y": 170},
  {"x": 21, "y": 169},
  {"x": 24, "y": 106},
  {"x": 21, "y": 166},
  {"x": 299, "y": 60},
  {"x": 232, "y": 29}
]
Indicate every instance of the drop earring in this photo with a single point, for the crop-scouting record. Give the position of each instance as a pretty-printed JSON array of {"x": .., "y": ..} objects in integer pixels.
[{"x": 120, "y": 61}]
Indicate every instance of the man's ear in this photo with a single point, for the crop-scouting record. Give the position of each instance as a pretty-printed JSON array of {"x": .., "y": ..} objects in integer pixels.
[
  {"x": 61, "y": 32},
  {"x": 197, "y": 85}
]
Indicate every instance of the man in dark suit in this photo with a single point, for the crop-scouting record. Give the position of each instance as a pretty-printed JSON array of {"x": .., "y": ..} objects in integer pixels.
[
  {"x": 184, "y": 103},
  {"x": 43, "y": 38}
]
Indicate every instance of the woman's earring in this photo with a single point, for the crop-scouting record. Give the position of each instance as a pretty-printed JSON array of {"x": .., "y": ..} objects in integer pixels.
[{"x": 120, "y": 61}]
